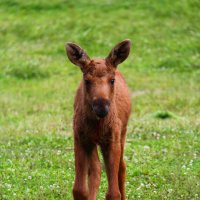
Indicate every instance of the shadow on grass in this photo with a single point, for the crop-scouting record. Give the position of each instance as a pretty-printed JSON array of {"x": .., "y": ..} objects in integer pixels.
[{"x": 164, "y": 115}]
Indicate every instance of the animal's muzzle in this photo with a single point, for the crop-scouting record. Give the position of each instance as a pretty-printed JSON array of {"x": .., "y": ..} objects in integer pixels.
[{"x": 101, "y": 107}]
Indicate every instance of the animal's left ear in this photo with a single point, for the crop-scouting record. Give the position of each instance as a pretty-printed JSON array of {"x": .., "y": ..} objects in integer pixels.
[{"x": 119, "y": 53}]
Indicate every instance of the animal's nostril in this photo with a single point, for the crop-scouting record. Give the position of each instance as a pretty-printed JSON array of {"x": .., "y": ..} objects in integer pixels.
[{"x": 101, "y": 107}]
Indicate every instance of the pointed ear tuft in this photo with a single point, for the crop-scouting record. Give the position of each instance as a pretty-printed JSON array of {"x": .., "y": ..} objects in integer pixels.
[
  {"x": 119, "y": 53},
  {"x": 76, "y": 54}
]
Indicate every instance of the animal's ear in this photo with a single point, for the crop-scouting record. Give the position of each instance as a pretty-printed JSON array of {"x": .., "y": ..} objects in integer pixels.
[
  {"x": 119, "y": 53},
  {"x": 76, "y": 54}
]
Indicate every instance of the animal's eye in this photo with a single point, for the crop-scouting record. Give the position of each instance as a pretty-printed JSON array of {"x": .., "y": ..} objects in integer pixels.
[
  {"x": 112, "y": 81},
  {"x": 87, "y": 82}
]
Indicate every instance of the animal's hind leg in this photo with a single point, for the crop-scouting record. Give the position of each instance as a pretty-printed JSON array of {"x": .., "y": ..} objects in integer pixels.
[
  {"x": 121, "y": 178},
  {"x": 122, "y": 168},
  {"x": 94, "y": 174}
]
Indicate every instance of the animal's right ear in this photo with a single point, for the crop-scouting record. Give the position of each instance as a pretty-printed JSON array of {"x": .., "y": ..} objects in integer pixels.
[{"x": 77, "y": 55}]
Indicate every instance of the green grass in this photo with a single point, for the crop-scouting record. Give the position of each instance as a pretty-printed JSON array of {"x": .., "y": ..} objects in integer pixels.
[{"x": 37, "y": 86}]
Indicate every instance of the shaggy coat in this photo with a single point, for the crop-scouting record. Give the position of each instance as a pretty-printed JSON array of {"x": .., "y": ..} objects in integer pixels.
[{"x": 101, "y": 111}]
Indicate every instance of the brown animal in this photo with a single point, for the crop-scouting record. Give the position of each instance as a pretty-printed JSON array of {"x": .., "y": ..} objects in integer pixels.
[{"x": 101, "y": 111}]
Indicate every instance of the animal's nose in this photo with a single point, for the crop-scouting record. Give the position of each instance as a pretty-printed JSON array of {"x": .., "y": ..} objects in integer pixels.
[{"x": 101, "y": 107}]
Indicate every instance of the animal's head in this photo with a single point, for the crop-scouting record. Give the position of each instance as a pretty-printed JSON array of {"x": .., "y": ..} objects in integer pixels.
[{"x": 99, "y": 74}]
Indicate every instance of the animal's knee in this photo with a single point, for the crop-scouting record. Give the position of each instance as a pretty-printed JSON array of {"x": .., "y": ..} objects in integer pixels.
[
  {"x": 98, "y": 169},
  {"x": 95, "y": 172},
  {"x": 98, "y": 174},
  {"x": 79, "y": 194},
  {"x": 113, "y": 196},
  {"x": 123, "y": 166}
]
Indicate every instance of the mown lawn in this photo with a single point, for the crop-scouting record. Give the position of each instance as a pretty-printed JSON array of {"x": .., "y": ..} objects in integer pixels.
[{"x": 37, "y": 86}]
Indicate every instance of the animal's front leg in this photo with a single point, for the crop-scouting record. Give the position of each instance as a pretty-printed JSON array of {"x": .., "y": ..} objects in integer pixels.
[
  {"x": 111, "y": 154},
  {"x": 94, "y": 174},
  {"x": 122, "y": 167},
  {"x": 81, "y": 168}
]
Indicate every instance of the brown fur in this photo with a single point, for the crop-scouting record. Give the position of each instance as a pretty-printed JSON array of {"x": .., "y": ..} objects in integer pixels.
[{"x": 97, "y": 89}]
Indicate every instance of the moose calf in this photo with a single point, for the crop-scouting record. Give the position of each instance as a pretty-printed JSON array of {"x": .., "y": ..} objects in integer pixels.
[{"x": 101, "y": 111}]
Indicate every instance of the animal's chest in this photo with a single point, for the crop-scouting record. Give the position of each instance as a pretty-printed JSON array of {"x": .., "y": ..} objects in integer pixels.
[{"x": 98, "y": 133}]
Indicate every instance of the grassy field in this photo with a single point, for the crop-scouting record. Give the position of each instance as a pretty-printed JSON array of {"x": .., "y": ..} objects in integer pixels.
[{"x": 37, "y": 86}]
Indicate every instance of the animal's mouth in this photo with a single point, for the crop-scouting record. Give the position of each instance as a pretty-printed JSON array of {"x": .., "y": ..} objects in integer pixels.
[{"x": 101, "y": 107}]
